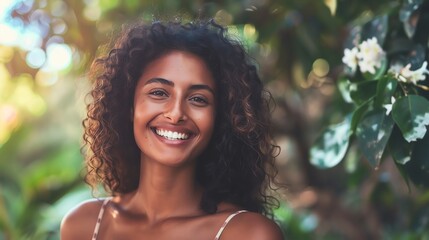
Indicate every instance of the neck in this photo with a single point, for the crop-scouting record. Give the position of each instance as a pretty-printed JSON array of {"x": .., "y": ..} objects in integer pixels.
[{"x": 165, "y": 192}]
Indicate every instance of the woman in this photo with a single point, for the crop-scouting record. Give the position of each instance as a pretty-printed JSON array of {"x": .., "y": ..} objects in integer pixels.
[{"x": 177, "y": 132}]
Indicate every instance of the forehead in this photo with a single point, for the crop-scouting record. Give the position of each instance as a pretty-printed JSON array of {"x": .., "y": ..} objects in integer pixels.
[{"x": 179, "y": 67}]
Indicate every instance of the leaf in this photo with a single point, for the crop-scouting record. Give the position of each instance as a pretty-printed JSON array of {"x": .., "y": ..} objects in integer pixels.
[
  {"x": 344, "y": 87},
  {"x": 411, "y": 114},
  {"x": 408, "y": 52},
  {"x": 331, "y": 147},
  {"x": 362, "y": 91},
  {"x": 332, "y": 6},
  {"x": 418, "y": 167},
  {"x": 373, "y": 133},
  {"x": 377, "y": 27},
  {"x": 386, "y": 87},
  {"x": 358, "y": 113},
  {"x": 399, "y": 148},
  {"x": 354, "y": 37},
  {"x": 407, "y": 15},
  {"x": 399, "y": 46}
]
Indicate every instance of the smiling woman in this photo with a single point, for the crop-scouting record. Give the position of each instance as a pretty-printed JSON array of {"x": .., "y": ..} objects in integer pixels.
[
  {"x": 178, "y": 133},
  {"x": 174, "y": 119}
]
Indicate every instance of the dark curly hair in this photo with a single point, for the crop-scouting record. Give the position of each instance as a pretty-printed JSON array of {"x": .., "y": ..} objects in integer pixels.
[{"x": 238, "y": 164}]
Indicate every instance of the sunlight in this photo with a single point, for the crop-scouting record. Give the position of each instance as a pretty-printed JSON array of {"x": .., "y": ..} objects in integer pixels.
[{"x": 59, "y": 57}]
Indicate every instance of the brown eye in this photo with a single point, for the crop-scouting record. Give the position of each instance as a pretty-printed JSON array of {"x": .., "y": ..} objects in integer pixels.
[
  {"x": 158, "y": 93},
  {"x": 199, "y": 100}
]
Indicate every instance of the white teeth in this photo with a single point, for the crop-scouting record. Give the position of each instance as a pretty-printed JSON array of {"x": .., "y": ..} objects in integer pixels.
[{"x": 172, "y": 135}]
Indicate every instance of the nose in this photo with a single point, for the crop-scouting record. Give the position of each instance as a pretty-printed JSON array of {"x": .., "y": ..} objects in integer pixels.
[{"x": 175, "y": 111}]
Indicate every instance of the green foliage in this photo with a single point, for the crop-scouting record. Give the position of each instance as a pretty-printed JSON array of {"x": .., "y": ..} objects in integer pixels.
[
  {"x": 373, "y": 133},
  {"x": 387, "y": 91},
  {"x": 411, "y": 114},
  {"x": 30, "y": 190},
  {"x": 332, "y": 145}
]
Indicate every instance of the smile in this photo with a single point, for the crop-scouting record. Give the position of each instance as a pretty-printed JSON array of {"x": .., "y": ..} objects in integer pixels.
[{"x": 171, "y": 135}]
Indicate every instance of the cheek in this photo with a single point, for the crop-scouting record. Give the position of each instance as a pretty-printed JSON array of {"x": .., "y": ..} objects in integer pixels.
[
  {"x": 206, "y": 122},
  {"x": 141, "y": 117}
]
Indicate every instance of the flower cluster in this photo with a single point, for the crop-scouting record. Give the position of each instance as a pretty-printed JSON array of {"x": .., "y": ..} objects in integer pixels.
[
  {"x": 368, "y": 56},
  {"x": 405, "y": 74}
]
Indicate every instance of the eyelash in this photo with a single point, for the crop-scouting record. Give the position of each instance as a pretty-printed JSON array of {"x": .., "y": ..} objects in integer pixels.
[
  {"x": 161, "y": 93},
  {"x": 158, "y": 93},
  {"x": 199, "y": 100}
]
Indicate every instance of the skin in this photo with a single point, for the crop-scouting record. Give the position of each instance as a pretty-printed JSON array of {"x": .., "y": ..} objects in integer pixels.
[{"x": 176, "y": 93}]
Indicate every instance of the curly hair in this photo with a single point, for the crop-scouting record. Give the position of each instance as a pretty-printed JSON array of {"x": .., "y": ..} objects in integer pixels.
[{"x": 238, "y": 164}]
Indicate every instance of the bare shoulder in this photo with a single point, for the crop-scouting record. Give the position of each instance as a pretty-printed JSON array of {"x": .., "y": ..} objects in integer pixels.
[
  {"x": 80, "y": 221},
  {"x": 252, "y": 226}
]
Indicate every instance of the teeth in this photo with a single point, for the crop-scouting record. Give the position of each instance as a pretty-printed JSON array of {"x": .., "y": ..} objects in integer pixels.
[{"x": 172, "y": 135}]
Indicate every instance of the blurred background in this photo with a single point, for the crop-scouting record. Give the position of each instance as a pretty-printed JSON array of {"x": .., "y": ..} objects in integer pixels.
[{"x": 46, "y": 47}]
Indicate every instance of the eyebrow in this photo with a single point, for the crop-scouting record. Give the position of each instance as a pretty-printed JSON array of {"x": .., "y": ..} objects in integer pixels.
[
  {"x": 160, "y": 80},
  {"x": 171, "y": 83}
]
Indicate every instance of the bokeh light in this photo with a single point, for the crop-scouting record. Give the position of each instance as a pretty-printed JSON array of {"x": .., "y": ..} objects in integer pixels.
[
  {"x": 25, "y": 98},
  {"x": 46, "y": 78},
  {"x": 4, "y": 77},
  {"x": 224, "y": 18},
  {"x": 6, "y": 54},
  {"x": 92, "y": 10},
  {"x": 29, "y": 40},
  {"x": 59, "y": 8},
  {"x": 58, "y": 26},
  {"x": 35, "y": 58},
  {"x": 8, "y": 121},
  {"x": 59, "y": 57},
  {"x": 24, "y": 6},
  {"x": 9, "y": 35},
  {"x": 5, "y": 6},
  {"x": 321, "y": 67}
]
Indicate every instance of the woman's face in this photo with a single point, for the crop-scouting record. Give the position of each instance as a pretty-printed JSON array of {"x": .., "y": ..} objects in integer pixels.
[{"x": 174, "y": 109}]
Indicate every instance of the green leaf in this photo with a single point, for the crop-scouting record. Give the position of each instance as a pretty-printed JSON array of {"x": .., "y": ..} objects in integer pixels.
[
  {"x": 362, "y": 91},
  {"x": 376, "y": 28},
  {"x": 386, "y": 87},
  {"x": 407, "y": 10},
  {"x": 399, "y": 148},
  {"x": 331, "y": 146},
  {"x": 344, "y": 85},
  {"x": 358, "y": 113},
  {"x": 411, "y": 113},
  {"x": 406, "y": 52},
  {"x": 418, "y": 167},
  {"x": 373, "y": 133}
]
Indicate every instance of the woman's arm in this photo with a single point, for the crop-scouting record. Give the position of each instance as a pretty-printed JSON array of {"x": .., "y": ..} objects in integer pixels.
[{"x": 252, "y": 226}]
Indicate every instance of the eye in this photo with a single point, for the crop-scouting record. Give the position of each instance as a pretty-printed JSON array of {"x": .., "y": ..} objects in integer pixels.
[
  {"x": 158, "y": 93},
  {"x": 201, "y": 101}
]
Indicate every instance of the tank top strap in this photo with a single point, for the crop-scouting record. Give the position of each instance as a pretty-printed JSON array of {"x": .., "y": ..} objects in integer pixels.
[
  {"x": 226, "y": 223},
  {"x": 99, "y": 218}
]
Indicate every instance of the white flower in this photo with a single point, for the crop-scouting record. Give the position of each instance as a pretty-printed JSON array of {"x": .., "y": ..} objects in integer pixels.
[
  {"x": 350, "y": 58},
  {"x": 370, "y": 55},
  {"x": 396, "y": 70},
  {"x": 404, "y": 74},
  {"x": 416, "y": 75}
]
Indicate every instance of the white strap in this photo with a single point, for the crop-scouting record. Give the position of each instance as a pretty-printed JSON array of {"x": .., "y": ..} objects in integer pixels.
[
  {"x": 100, "y": 216},
  {"x": 226, "y": 223}
]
